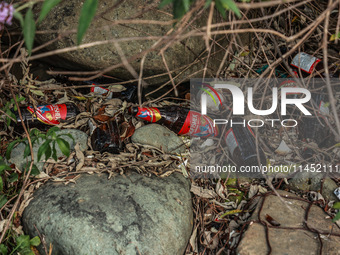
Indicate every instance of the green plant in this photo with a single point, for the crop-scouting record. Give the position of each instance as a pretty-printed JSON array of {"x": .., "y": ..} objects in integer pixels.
[
  {"x": 337, "y": 216},
  {"x": 48, "y": 148},
  {"x": 3, "y": 168},
  {"x": 28, "y": 23},
  {"x": 20, "y": 244},
  {"x": 8, "y": 109},
  {"x": 23, "y": 245}
]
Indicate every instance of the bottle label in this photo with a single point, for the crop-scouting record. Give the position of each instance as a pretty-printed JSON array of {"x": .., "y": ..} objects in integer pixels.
[
  {"x": 101, "y": 91},
  {"x": 198, "y": 125},
  {"x": 151, "y": 114},
  {"x": 305, "y": 62},
  {"x": 323, "y": 108},
  {"x": 289, "y": 84},
  {"x": 231, "y": 141},
  {"x": 49, "y": 114},
  {"x": 244, "y": 140}
]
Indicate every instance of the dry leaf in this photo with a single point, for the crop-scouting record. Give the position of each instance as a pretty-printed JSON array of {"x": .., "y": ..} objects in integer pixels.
[
  {"x": 113, "y": 102},
  {"x": 102, "y": 118},
  {"x": 205, "y": 193},
  {"x": 283, "y": 149},
  {"x": 272, "y": 221},
  {"x": 253, "y": 190},
  {"x": 80, "y": 157},
  {"x": 64, "y": 99},
  {"x": 220, "y": 189},
  {"x": 3, "y": 224},
  {"x": 117, "y": 88},
  {"x": 37, "y": 92},
  {"x": 27, "y": 197},
  {"x": 126, "y": 130},
  {"x": 18, "y": 230},
  {"x": 210, "y": 240},
  {"x": 41, "y": 175},
  {"x": 193, "y": 240}
]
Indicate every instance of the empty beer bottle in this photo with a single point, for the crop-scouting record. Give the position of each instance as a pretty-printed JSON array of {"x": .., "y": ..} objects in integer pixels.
[
  {"x": 182, "y": 121},
  {"x": 241, "y": 144},
  {"x": 106, "y": 137},
  {"x": 129, "y": 94},
  {"x": 48, "y": 114},
  {"x": 314, "y": 128}
]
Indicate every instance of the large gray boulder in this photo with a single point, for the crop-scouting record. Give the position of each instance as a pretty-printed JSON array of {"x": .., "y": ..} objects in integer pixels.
[
  {"x": 179, "y": 54},
  {"x": 129, "y": 214}
]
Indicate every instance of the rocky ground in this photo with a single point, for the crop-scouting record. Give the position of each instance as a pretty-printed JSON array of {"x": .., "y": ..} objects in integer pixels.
[{"x": 145, "y": 198}]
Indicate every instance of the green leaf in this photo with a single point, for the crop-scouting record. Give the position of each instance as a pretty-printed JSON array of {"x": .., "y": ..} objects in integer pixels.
[
  {"x": 3, "y": 200},
  {"x": 48, "y": 152},
  {"x": 334, "y": 36},
  {"x": 34, "y": 132},
  {"x": 19, "y": 17},
  {"x": 69, "y": 135},
  {"x": 44, "y": 148},
  {"x": 1, "y": 184},
  {"x": 53, "y": 135},
  {"x": 29, "y": 30},
  {"x": 10, "y": 148},
  {"x": 64, "y": 146},
  {"x": 23, "y": 241},
  {"x": 33, "y": 140},
  {"x": 10, "y": 113},
  {"x": 3, "y": 249},
  {"x": 178, "y": 9},
  {"x": 230, "y": 4},
  {"x": 26, "y": 251},
  {"x": 207, "y": 4},
  {"x": 46, "y": 8},
  {"x": 20, "y": 99},
  {"x": 186, "y": 5},
  {"x": 220, "y": 8},
  {"x": 4, "y": 167},
  {"x": 13, "y": 177},
  {"x": 54, "y": 152},
  {"x": 35, "y": 241},
  {"x": 86, "y": 15},
  {"x": 164, "y": 3},
  {"x": 27, "y": 150},
  {"x": 337, "y": 217},
  {"x": 336, "y": 205},
  {"x": 35, "y": 171},
  {"x": 52, "y": 130}
]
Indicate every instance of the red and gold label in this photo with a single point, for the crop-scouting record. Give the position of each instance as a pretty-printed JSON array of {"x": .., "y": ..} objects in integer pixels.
[
  {"x": 198, "y": 125},
  {"x": 49, "y": 114},
  {"x": 151, "y": 114},
  {"x": 305, "y": 62}
]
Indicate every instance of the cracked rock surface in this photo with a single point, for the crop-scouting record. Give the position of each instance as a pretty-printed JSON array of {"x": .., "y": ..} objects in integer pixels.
[{"x": 127, "y": 214}]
